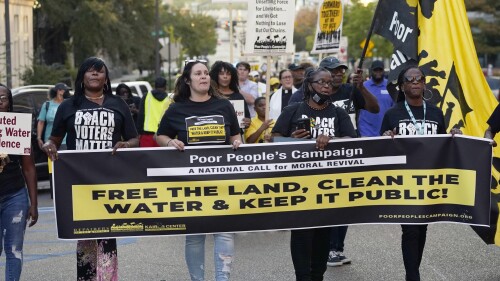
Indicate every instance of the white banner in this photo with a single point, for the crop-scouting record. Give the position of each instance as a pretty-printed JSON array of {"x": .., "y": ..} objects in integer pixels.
[
  {"x": 270, "y": 26},
  {"x": 15, "y": 133},
  {"x": 228, "y": 1},
  {"x": 239, "y": 108},
  {"x": 329, "y": 27}
]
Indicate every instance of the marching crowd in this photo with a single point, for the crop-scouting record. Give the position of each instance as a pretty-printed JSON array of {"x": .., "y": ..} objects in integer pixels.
[{"x": 307, "y": 101}]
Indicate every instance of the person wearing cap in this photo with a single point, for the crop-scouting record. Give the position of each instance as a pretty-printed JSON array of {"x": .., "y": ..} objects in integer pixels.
[
  {"x": 151, "y": 110},
  {"x": 274, "y": 83},
  {"x": 48, "y": 112},
  {"x": 280, "y": 98},
  {"x": 248, "y": 88},
  {"x": 298, "y": 71},
  {"x": 369, "y": 123}
]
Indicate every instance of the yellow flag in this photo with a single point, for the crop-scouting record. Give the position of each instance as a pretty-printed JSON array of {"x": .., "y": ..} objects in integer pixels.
[{"x": 454, "y": 77}]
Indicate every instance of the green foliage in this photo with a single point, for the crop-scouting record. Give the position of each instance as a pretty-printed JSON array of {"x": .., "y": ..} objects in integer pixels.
[
  {"x": 305, "y": 29},
  {"x": 196, "y": 32},
  {"x": 485, "y": 29},
  {"x": 46, "y": 74},
  {"x": 117, "y": 28},
  {"x": 357, "y": 21}
]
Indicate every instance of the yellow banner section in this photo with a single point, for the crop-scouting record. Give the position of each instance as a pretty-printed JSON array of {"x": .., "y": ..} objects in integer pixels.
[{"x": 253, "y": 196}]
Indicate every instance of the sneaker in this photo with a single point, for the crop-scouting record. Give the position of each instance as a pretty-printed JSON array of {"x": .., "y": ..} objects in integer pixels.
[
  {"x": 333, "y": 259},
  {"x": 343, "y": 258}
]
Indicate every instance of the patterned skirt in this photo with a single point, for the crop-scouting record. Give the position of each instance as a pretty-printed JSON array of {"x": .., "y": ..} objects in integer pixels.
[{"x": 97, "y": 260}]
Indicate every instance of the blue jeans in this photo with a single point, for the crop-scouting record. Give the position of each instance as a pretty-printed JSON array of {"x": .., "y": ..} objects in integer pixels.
[
  {"x": 223, "y": 256},
  {"x": 13, "y": 217}
]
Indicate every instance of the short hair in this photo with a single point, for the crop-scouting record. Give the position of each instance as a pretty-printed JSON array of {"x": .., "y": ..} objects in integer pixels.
[
  {"x": 9, "y": 96},
  {"x": 245, "y": 64},
  {"x": 283, "y": 71},
  {"x": 257, "y": 100},
  {"x": 182, "y": 92},
  {"x": 217, "y": 67},
  {"x": 160, "y": 83}
]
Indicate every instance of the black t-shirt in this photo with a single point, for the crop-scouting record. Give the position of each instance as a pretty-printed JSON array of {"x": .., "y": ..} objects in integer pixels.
[
  {"x": 209, "y": 122},
  {"x": 494, "y": 120},
  {"x": 285, "y": 97},
  {"x": 399, "y": 118},
  {"x": 92, "y": 126},
  {"x": 331, "y": 121},
  {"x": 11, "y": 178}
]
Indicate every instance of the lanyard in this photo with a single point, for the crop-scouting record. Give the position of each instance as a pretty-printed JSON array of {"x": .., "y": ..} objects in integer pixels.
[{"x": 419, "y": 127}]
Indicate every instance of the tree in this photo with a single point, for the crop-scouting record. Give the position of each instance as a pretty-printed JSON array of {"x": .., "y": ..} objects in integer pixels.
[
  {"x": 305, "y": 29},
  {"x": 484, "y": 27},
  {"x": 195, "y": 31},
  {"x": 357, "y": 21},
  {"x": 120, "y": 29}
]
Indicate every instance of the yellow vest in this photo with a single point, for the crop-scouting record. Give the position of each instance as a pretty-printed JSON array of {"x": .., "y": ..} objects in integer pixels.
[{"x": 153, "y": 112}]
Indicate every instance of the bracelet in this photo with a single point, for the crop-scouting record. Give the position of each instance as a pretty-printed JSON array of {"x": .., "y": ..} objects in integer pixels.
[{"x": 168, "y": 143}]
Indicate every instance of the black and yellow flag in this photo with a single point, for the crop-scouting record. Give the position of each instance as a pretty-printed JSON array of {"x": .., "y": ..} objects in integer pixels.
[
  {"x": 455, "y": 81},
  {"x": 448, "y": 57}
]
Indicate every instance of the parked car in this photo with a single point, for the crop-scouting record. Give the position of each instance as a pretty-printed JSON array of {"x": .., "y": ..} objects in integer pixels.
[
  {"x": 29, "y": 99},
  {"x": 494, "y": 85},
  {"x": 138, "y": 88}
]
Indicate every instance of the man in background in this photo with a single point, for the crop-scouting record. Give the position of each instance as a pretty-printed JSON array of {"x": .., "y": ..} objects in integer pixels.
[{"x": 248, "y": 88}]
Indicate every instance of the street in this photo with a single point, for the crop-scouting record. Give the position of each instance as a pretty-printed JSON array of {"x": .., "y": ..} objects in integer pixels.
[{"x": 453, "y": 252}]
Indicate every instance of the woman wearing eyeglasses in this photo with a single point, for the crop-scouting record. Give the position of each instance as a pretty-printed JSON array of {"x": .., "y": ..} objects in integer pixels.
[
  {"x": 18, "y": 200},
  {"x": 280, "y": 98},
  {"x": 196, "y": 103},
  {"x": 317, "y": 118},
  {"x": 412, "y": 115}
]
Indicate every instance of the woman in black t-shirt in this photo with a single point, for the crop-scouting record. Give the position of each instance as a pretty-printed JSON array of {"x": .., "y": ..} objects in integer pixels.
[
  {"x": 199, "y": 116},
  {"x": 413, "y": 116},
  {"x": 323, "y": 121},
  {"x": 17, "y": 203},
  {"x": 225, "y": 80},
  {"x": 93, "y": 118}
]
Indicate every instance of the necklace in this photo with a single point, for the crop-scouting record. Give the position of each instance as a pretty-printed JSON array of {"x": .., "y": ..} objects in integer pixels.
[
  {"x": 96, "y": 98},
  {"x": 418, "y": 126},
  {"x": 317, "y": 109}
]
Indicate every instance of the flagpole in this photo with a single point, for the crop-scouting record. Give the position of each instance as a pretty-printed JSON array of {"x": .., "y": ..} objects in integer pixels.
[{"x": 367, "y": 41}]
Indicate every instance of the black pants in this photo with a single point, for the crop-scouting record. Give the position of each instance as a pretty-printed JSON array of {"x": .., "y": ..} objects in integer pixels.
[
  {"x": 337, "y": 238},
  {"x": 309, "y": 249},
  {"x": 412, "y": 244}
]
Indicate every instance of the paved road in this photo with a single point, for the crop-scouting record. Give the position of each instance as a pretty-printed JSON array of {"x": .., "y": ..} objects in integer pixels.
[{"x": 453, "y": 252}]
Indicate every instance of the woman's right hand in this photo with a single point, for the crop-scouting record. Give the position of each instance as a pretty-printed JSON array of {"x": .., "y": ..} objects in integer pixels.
[
  {"x": 300, "y": 134},
  {"x": 50, "y": 149},
  {"x": 390, "y": 133}
]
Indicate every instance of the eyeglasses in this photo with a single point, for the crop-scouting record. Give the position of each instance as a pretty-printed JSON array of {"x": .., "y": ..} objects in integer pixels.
[
  {"x": 286, "y": 77},
  {"x": 4, "y": 98},
  {"x": 190, "y": 61},
  {"x": 323, "y": 83},
  {"x": 412, "y": 79}
]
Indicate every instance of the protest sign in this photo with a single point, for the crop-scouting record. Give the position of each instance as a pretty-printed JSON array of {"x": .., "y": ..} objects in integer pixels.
[
  {"x": 207, "y": 189},
  {"x": 15, "y": 133}
]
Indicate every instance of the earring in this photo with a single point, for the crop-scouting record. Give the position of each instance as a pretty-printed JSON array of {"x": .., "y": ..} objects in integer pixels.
[{"x": 429, "y": 96}]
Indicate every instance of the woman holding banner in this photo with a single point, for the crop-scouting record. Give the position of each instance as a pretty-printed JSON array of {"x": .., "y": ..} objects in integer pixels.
[
  {"x": 18, "y": 204},
  {"x": 197, "y": 104},
  {"x": 413, "y": 116},
  {"x": 317, "y": 118},
  {"x": 93, "y": 108}
]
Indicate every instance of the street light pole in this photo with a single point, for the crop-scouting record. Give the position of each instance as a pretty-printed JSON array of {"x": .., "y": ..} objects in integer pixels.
[
  {"x": 157, "y": 36},
  {"x": 8, "y": 58}
]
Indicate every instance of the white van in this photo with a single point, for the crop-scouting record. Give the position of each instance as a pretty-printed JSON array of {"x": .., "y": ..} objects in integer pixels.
[{"x": 138, "y": 88}]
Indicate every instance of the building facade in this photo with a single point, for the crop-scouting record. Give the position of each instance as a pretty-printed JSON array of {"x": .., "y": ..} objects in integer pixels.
[{"x": 21, "y": 39}]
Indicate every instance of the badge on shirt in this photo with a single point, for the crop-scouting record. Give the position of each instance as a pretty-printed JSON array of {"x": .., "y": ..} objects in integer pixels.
[{"x": 205, "y": 129}]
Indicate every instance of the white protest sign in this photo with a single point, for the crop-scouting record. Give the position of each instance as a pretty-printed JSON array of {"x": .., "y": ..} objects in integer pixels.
[
  {"x": 15, "y": 133},
  {"x": 239, "y": 108},
  {"x": 270, "y": 25}
]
